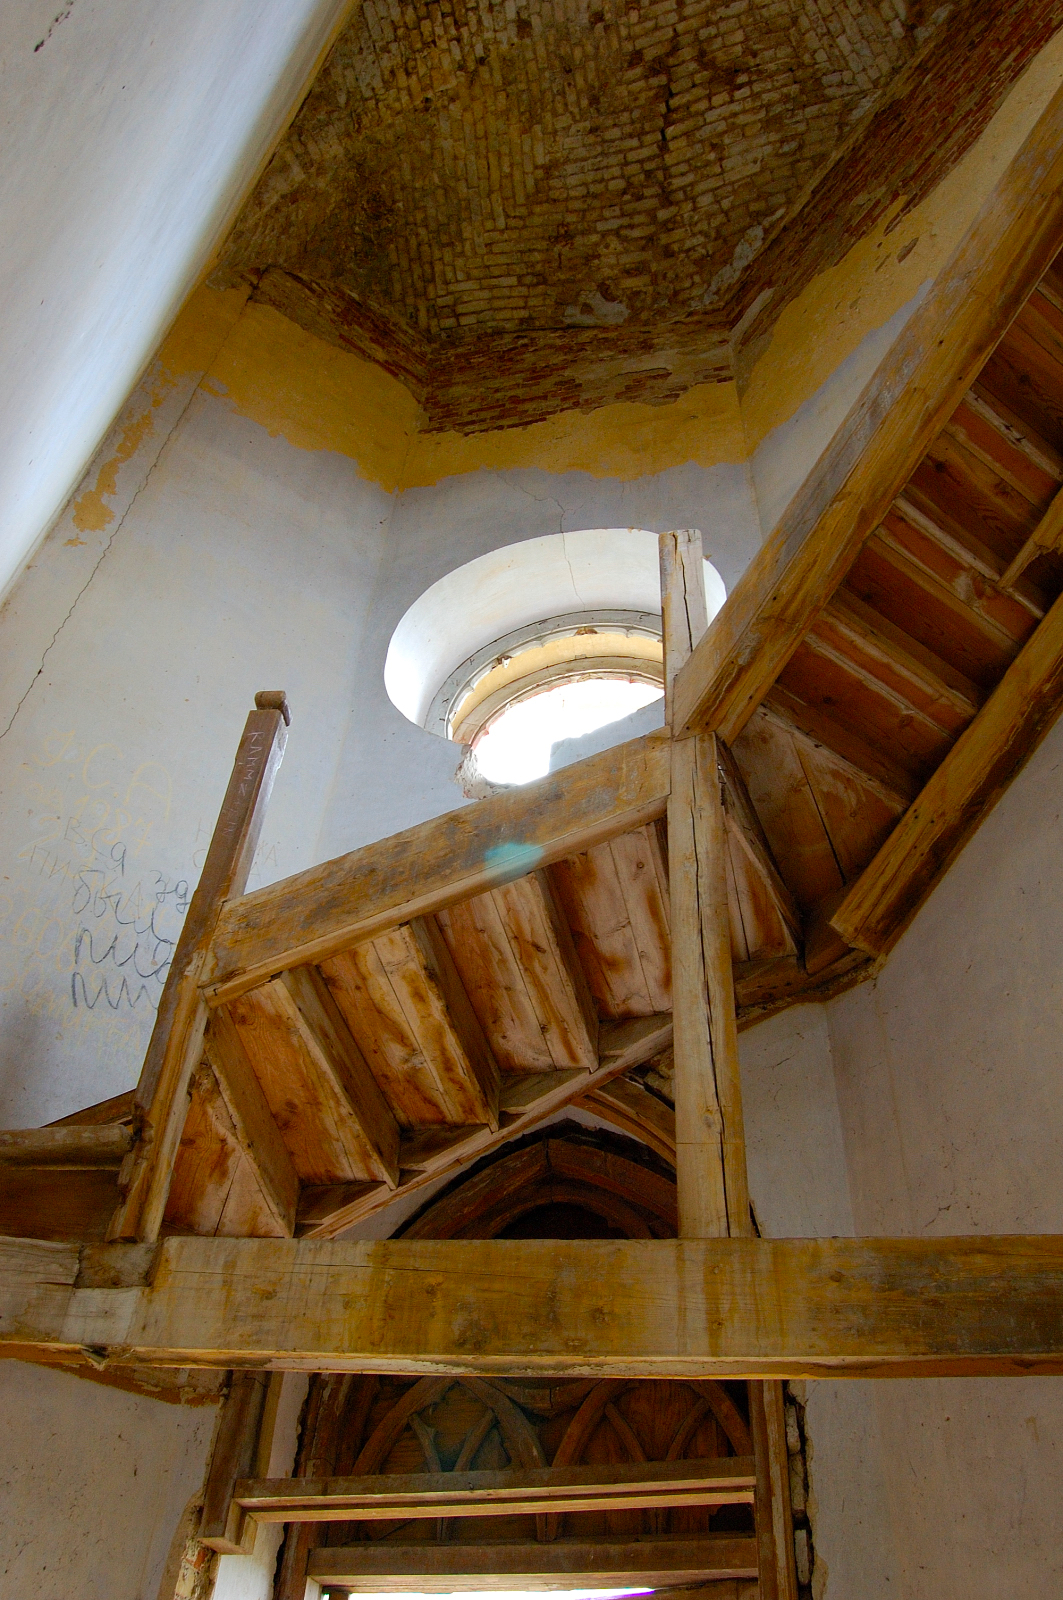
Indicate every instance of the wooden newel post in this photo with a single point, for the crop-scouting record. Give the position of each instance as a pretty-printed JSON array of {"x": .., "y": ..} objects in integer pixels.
[
  {"x": 161, "y": 1100},
  {"x": 713, "y": 1188}
]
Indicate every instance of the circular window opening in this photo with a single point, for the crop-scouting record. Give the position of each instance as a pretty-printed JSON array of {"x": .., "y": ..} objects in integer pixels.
[
  {"x": 529, "y": 679},
  {"x": 557, "y": 679}
]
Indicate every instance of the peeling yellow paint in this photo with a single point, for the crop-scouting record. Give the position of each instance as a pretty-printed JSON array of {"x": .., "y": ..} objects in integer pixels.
[
  {"x": 90, "y": 513},
  {"x": 202, "y": 325},
  {"x": 627, "y": 440},
  {"x": 321, "y": 398},
  {"x": 314, "y": 395},
  {"x": 881, "y": 273}
]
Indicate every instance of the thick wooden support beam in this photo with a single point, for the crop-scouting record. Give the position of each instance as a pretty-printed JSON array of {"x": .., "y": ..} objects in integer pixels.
[
  {"x": 938, "y": 355},
  {"x": 428, "y": 1568},
  {"x": 710, "y": 1146},
  {"x": 224, "y": 1525},
  {"x": 763, "y": 1308},
  {"x": 967, "y": 784},
  {"x": 355, "y": 897},
  {"x": 626, "y": 1486},
  {"x": 177, "y": 1037}
]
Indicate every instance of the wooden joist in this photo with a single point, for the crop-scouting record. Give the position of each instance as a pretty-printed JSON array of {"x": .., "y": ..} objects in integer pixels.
[
  {"x": 879, "y": 906},
  {"x": 255, "y": 1129},
  {"x": 525, "y": 1101},
  {"x": 65, "y": 1147},
  {"x": 428, "y": 1568},
  {"x": 939, "y": 353},
  {"x": 800, "y": 1308},
  {"x": 721, "y": 1481},
  {"x": 467, "y": 852},
  {"x": 335, "y": 1119}
]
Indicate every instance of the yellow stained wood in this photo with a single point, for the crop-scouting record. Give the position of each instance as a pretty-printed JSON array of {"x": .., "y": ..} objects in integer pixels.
[
  {"x": 252, "y": 1121},
  {"x": 798, "y": 1308},
  {"x": 615, "y": 899},
  {"x": 965, "y": 786},
  {"x": 362, "y": 895},
  {"x": 941, "y": 350},
  {"x": 496, "y": 984},
  {"x": 394, "y": 998},
  {"x": 306, "y": 1095}
]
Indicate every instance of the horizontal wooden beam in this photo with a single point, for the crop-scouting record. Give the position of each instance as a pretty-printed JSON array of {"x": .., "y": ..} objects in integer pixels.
[
  {"x": 627, "y": 1486},
  {"x": 936, "y": 357},
  {"x": 383, "y": 1567},
  {"x": 358, "y": 896},
  {"x": 749, "y": 1308},
  {"x": 967, "y": 784},
  {"x": 65, "y": 1147}
]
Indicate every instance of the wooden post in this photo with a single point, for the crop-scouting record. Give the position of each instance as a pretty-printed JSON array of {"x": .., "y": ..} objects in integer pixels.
[
  {"x": 710, "y": 1145},
  {"x": 711, "y": 1179},
  {"x": 161, "y": 1099},
  {"x": 224, "y": 1525}
]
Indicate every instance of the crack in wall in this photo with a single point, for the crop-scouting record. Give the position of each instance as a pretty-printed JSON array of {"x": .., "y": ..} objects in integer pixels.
[{"x": 104, "y": 553}]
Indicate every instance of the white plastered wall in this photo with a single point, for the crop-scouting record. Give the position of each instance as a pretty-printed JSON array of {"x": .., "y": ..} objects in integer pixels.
[
  {"x": 131, "y": 131},
  {"x": 93, "y": 1484},
  {"x": 950, "y": 1082}
]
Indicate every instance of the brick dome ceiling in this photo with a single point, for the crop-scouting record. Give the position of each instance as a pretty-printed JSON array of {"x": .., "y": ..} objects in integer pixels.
[{"x": 504, "y": 170}]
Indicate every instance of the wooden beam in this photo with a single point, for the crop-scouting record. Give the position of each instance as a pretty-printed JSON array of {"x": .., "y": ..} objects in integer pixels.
[
  {"x": 629, "y": 1106},
  {"x": 426, "y": 1568},
  {"x": 710, "y": 1145},
  {"x": 65, "y": 1147},
  {"x": 967, "y": 784},
  {"x": 355, "y": 897},
  {"x": 177, "y": 1037},
  {"x": 224, "y": 1525},
  {"x": 774, "y": 1517},
  {"x": 763, "y": 1308},
  {"x": 747, "y": 837},
  {"x": 1045, "y": 538},
  {"x": 119, "y": 1108},
  {"x": 526, "y": 1101},
  {"x": 624, "y": 1486},
  {"x": 369, "y": 1125},
  {"x": 256, "y": 1131},
  {"x": 942, "y": 348}
]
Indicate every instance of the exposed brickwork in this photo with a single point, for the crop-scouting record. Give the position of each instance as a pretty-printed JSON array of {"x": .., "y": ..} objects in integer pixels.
[
  {"x": 506, "y": 165},
  {"x": 520, "y": 210}
]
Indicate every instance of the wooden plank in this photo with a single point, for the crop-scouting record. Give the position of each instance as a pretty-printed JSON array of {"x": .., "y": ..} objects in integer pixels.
[
  {"x": 428, "y": 1568},
  {"x": 934, "y": 360},
  {"x": 615, "y": 899},
  {"x": 1047, "y": 536},
  {"x": 359, "y": 896},
  {"x": 876, "y": 766},
  {"x": 57, "y": 1203},
  {"x": 710, "y": 1147},
  {"x": 65, "y": 1147},
  {"x": 119, "y": 1108},
  {"x": 798, "y": 1308},
  {"x": 254, "y": 1126},
  {"x": 542, "y": 942},
  {"x": 334, "y": 1118},
  {"x": 774, "y": 1521},
  {"x": 720, "y": 1481},
  {"x": 224, "y": 1525},
  {"x": 525, "y": 1101},
  {"x": 770, "y": 917},
  {"x": 177, "y": 1036},
  {"x": 404, "y": 1002},
  {"x": 210, "y": 1179},
  {"x": 635, "y": 1110},
  {"x": 964, "y": 788},
  {"x": 496, "y": 984}
]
